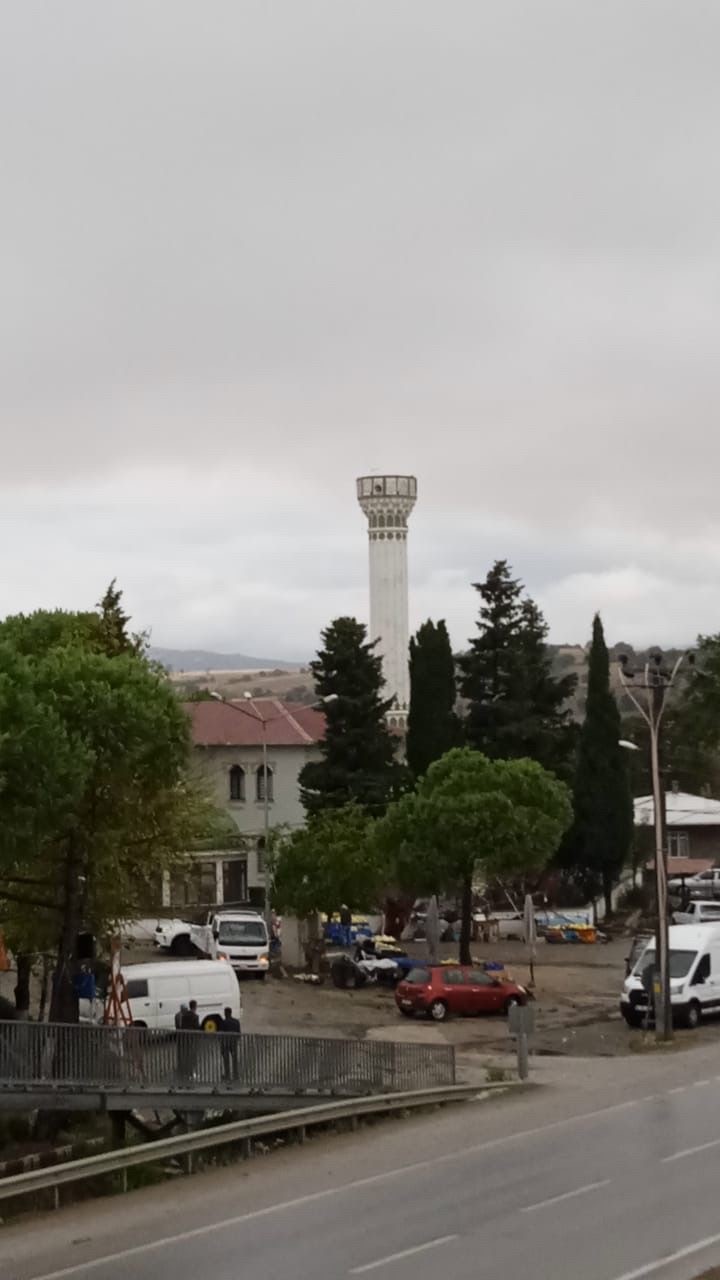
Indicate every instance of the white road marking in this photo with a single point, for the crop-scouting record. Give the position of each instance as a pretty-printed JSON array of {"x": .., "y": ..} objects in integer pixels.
[
  {"x": 459, "y": 1153},
  {"x": 681, "y": 1088},
  {"x": 565, "y": 1195},
  {"x": 404, "y": 1253},
  {"x": 700, "y": 1084},
  {"x": 660, "y": 1263},
  {"x": 690, "y": 1151}
]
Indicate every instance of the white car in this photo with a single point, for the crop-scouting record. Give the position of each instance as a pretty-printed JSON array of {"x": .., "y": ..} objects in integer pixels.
[{"x": 698, "y": 912}]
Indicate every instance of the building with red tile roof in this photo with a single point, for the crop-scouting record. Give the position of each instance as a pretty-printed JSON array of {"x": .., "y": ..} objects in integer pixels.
[{"x": 228, "y": 741}]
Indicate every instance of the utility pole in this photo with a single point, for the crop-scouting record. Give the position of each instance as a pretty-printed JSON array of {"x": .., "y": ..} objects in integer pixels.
[{"x": 655, "y": 680}]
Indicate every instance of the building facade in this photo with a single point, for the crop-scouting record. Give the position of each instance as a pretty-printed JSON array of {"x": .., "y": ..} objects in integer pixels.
[
  {"x": 228, "y": 750},
  {"x": 692, "y": 828}
]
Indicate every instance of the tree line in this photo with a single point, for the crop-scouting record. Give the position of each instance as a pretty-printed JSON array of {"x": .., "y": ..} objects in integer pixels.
[{"x": 499, "y": 779}]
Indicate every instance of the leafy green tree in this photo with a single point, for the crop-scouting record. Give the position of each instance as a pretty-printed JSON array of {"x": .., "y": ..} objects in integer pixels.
[
  {"x": 95, "y": 800},
  {"x": 358, "y": 764},
  {"x": 330, "y": 861},
  {"x": 517, "y": 709},
  {"x": 433, "y": 726},
  {"x": 473, "y": 816},
  {"x": 113, "y": 624},
  {"x": 599, "y": 842}
]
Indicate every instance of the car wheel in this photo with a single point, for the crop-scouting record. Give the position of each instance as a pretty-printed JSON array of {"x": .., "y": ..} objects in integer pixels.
[
  {"x": 261, "y": 976},
  {"x": 693, "y": 1015},
  {"x": 212, "y": 1022},
  {"x": 141, "y": 1025},
  {"x": 406, "y": 1013},
  {"x": 633, "y": 1019},
  {"x": 510, "y": 1004},
  {"x": 438, "y": 1011}
]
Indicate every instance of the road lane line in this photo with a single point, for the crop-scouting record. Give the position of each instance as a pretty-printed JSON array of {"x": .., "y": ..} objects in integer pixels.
[
  {"x": 459, "y": 1153},
  {"x": 690, "y": 1151},
  {"x": 660, "y": 1263},
  {"x": 565, "y": 1195},
  {"x": 404, "y": 1253}
]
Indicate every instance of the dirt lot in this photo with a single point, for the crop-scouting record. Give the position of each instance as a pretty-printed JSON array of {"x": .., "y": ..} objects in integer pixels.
[{"x": 577, "y": 992}]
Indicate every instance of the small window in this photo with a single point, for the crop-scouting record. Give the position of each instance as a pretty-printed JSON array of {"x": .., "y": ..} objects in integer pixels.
[
  {"x": 136, "y": 988},
  {"x": 453, "y": 978},
  {"x": 261, "y": 856},
  {"x": 237, "y": 783},
  {"x": 678, "y": 844},
  {"x": 260, "y": 785}
]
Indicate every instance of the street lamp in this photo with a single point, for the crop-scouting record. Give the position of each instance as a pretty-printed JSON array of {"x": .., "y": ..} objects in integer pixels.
[
  {"x": 655, "y": 681},
  {"x": 264, "y": 721}
]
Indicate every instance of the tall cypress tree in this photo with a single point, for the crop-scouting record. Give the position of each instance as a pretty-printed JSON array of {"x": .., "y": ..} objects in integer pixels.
[
  {"x": 600, "y": 839},
  {"x": 358, "y": 752},
  {"x": 433, "y": 726},
  {"x": 517, "y": 707}
]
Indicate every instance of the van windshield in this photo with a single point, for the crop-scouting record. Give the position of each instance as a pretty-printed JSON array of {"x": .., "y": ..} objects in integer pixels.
[
  {"x": 242, "y": 931},
  {"x": 680, "y": 962}
]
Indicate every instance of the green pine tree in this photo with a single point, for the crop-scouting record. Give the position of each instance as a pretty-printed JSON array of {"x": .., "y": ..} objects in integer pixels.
[
  {"x": 433, "y": 726},
  {"x": 600, "y": 839},
  {"x": 517, "y": 708},
  {"x": 358, "y": 763},
  {"x": 114, "y": 621}
]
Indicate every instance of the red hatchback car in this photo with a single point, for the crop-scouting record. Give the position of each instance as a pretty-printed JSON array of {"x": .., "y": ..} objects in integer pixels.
[{"x": 439, "y": 989}]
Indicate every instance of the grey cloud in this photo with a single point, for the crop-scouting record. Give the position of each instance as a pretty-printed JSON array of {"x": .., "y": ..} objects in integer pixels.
[{"x": 288, "y": 243}]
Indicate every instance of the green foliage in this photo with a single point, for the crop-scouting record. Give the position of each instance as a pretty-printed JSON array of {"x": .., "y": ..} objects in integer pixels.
[
  {"x": 433, "y": 726},
  {"x": 517, "y": 708},
  {"x": 599, "y": 842},
  {"x": 358, "y": 764},
  {"x": 330, "y": 861},
  {"x": 95, "y": 800},
  {"x": 470, "y": 815}
]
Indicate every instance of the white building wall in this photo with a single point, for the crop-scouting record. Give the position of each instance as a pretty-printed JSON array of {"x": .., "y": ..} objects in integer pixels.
[{"x": 214, "y": 764}]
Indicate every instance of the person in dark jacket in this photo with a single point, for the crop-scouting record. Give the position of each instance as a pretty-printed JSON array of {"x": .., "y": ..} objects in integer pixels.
[
  {"x": 346, "y": 925},
  {"x": 229, "y": 1042},
  {"x": 187, "y": 1045}
]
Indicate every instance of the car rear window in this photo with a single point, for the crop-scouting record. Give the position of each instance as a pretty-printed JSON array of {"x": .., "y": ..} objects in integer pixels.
[{"x": 420, "y": 977}]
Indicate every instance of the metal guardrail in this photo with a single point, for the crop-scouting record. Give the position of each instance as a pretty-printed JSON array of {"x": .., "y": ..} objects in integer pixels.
[
  {"x": 238, "y": 1131},
  {"x": 79, "y": 1058}
]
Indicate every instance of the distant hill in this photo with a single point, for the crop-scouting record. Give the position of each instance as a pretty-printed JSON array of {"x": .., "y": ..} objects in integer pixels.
[{"x": 205, "y": 660}]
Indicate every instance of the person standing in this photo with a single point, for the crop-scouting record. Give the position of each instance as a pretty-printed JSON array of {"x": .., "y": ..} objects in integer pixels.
[
  {"x": 229, "y": 1043},
  {"x": 187, "y": 1055},
  {"x": 346, "y": 924}
]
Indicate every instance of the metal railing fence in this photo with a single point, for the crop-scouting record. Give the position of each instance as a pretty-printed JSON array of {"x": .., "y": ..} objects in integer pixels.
[{"x": 105, "y": 1057}]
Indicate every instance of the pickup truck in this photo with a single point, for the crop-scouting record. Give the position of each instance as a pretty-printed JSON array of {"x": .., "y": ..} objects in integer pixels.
[{"x": 238, "y": 936}]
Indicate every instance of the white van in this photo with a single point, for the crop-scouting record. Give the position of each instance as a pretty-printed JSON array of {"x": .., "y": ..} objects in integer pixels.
[
  {"x": 694, "y": 976},
  {"x": 156, "y": 991}
]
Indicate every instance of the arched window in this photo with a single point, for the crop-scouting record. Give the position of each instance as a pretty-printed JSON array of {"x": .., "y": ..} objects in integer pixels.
[
  {"x": 237, "y": 783},
  {"x": 261, "y": 856},
  {"x": 260, "y": 784},
  {"x": 381, "y": 521}
]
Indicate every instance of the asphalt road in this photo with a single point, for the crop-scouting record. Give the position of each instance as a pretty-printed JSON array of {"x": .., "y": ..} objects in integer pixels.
[{"x": 611, "y": 1178}]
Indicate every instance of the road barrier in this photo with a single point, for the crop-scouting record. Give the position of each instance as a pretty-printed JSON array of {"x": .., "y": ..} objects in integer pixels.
[
  {"x": 240, "y": 1131},
  {"x": 85, "y": 1058}
]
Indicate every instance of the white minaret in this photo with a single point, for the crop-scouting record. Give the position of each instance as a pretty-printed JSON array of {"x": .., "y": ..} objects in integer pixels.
[{"x": 387, "y": 502}]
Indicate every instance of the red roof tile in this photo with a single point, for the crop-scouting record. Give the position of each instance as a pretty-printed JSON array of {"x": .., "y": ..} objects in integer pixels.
[{"x": 237, "y": 724}]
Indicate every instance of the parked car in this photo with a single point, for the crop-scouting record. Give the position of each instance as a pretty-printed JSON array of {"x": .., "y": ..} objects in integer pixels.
[
  {"x": 698, "y": 911},
  {"x": 437, "y": 990},
  {"x": 706, "y": 884},
  {"x": 694, "y": 977}
]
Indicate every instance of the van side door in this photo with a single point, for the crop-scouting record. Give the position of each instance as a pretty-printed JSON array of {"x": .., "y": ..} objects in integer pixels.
[{"x": 700, "y": 987}]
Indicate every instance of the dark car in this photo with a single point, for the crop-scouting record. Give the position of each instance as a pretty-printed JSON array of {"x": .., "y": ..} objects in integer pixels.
[{"x": 437, "y": 990}]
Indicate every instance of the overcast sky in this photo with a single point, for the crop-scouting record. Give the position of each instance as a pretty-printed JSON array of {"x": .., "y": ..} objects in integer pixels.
[{"x": 250, "y": 249}]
